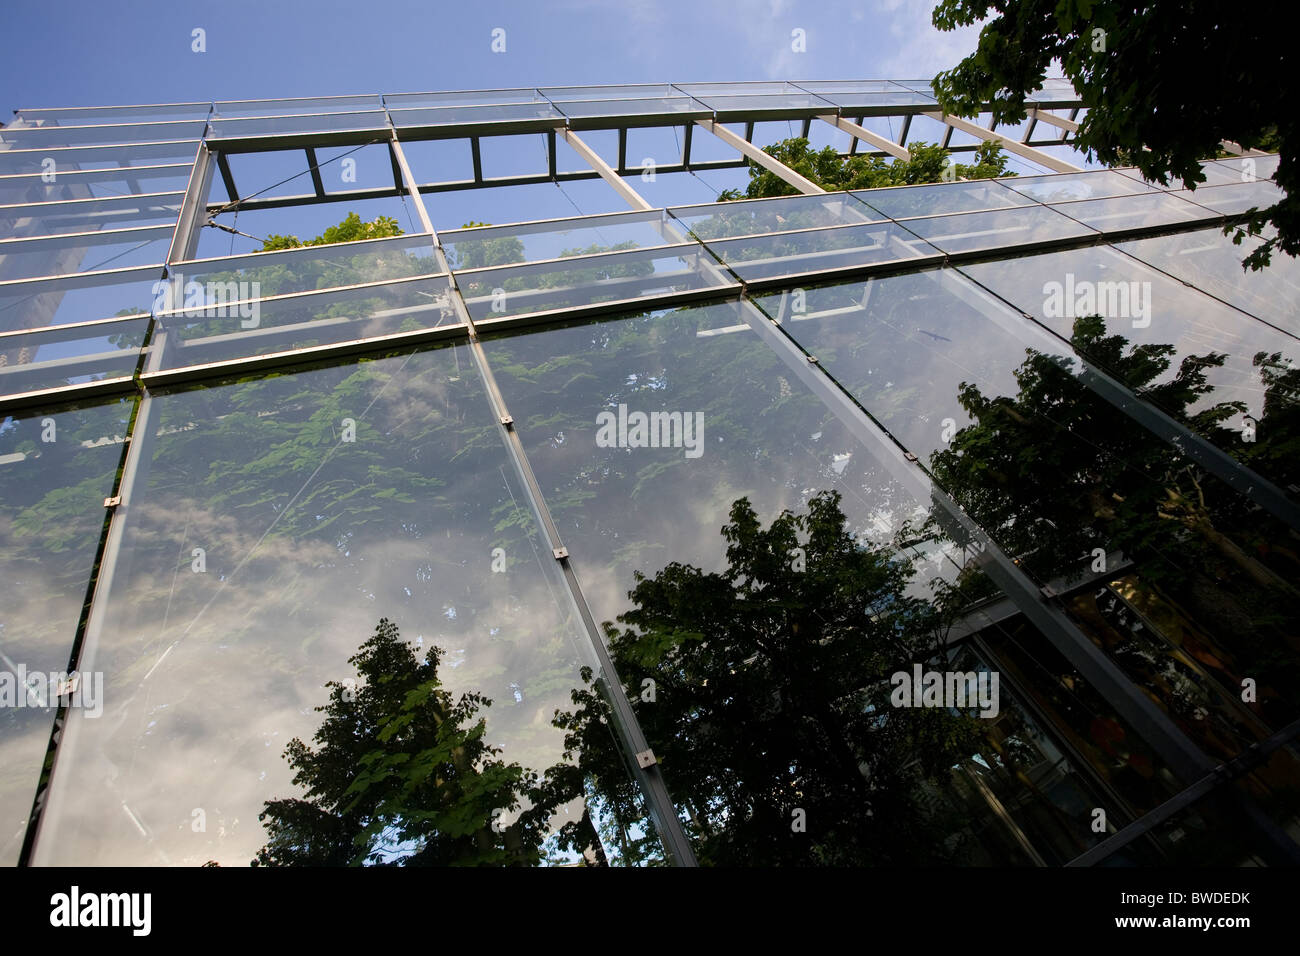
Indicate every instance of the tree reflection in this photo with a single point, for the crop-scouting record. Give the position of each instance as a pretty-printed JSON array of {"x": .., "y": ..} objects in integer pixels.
[
  {"x": 403, "y": 775},
  {"x": 764, "y": 691},
  {"x": 764, "y": 688},
  {"x": 1055, "y": 472}
]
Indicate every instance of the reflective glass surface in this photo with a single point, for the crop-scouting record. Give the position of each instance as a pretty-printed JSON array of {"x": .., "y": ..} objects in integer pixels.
[
  {"x": 228, "y": 127},
  {"x": 1091, "y": 185},
  {"x": 900, "y": 202},
  {"x": 223, "y": 329},
  {"x": 44, "y": 162},
  {"x": 1055, "y": 473},
  {"x": 1225, "y": 373},
  {"x": 89, "y": 215},
  {"x": 314, "y": 267},
  {"x": 89, "y": 252},
  {"x": 758, "y": 216},
  {"x": 357, "y": 554},
  {"x": 1210, "y": 260},
  {"x": 1134, "y": 212},
  {"x": 37, "y": 360},
  {"x": 796, "y": 253},
  {"x": 93, "y": 183},
  {"x": 991, "y": 230},
  {"x": 506, "y": 245},
  {"x": 1236, "y": 198},
  {"x": 20, "y": 136},
  {"x": 38, "y": 304},
  {"x": 545, "y": 286},
  {"x": 56, "y": 469},
  {"x": 452, "y": 115}
]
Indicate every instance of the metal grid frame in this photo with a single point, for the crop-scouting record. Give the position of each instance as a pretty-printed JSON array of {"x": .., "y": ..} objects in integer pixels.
[{"x": 1023, "y": 595}]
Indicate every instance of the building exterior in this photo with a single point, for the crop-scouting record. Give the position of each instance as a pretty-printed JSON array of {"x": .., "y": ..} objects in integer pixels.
[{"x": 1033, "y": 602}]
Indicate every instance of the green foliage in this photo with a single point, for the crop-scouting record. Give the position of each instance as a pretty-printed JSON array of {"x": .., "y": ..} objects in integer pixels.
[
  {"x": 1142, "y": 73},
  {"x": 351, "y": 229},
  {"x": 772, "y": 695},
  {"x": 402, "y": 775},
  {"x": 826, "y": 168}
]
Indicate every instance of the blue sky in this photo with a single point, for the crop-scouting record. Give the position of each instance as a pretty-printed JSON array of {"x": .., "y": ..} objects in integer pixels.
[{"x": 78, "y": 53}]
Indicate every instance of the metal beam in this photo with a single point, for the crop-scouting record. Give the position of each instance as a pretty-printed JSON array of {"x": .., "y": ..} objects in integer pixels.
[
  {"x": 860, "y": 133},
  {"x": 619, "y": 185},
  {"x": 805, "y": 186},
  {"x": 313, "y": 166},
  {"x": 1179, "y": 753},
  {"x": 1006, "y": 142},
  {"x": 1051, "y": 119}
]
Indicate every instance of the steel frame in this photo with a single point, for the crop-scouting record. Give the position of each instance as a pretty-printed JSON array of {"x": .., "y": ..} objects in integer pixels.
[{"x": 1040, "y": 607}]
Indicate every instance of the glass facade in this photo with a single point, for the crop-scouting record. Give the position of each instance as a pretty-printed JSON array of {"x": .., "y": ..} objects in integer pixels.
[{"x": 952, "y": 523}]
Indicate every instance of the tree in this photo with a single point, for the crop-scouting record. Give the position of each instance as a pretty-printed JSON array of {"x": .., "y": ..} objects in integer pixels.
[
  {"x": 351, "y": 229},
  {"x": 1028, "y": 470},
  {"x": 1164, "y": 83},
  {"x": 771, "y": 699},
  {"x": 403, "y": 775},
  {"x": 832, "y": 172}
]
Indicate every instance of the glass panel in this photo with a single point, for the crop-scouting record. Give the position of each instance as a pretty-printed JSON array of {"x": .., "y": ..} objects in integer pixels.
[
  {"x": 35, "y": 137},
  {"x": 760, "y": 88},
  {"x": 1212, "y": 364},
  {"x": 302, "y": 105},
  {"x": 797, "y": 253},
  {"x": 1068, "y": 484},
  {"x": 271, "y": 125},
  {"x": 1241, "y": 197},
  {"x": 314, "y": 267},
  {"x": 1065, "y": 186},
  {"x": 867, "y": 95},
  {"x": 365, "y": 559},
  {"x": 227, "y": 330},
  {"x": 460, "y": 115},
  {"x": 675, "y": 104},
  {"x": 1133, "y": 212},
  {"x": 900, "y": 202},
  {"x": 1210, "y": 261},
  {"x": 56, "y": 469},
  {"x": 88, "y": 215},
  {"x": 37, "y": 161},
  {"x": 93, "y": 183},
  {"x": 70, "y": 356},
  {"x": 102, "y": 115},
  {"x": 754, "y": 217},
  {"x": 630, "y": 92},
  {"x": 1054, "y": 89},
  {"x": 410, "y": 101},
  {"x": 556, "y": 239},
  {"x": 645, "y": 516},
  {"x": 751, "y": 102},
  {"x": 35, "y": 305},
  {"x": 64, "y": 255},
  {"x": 1042, "y": 802},
  {"x": 1243, "y": 169},
  {"x": 991, "y": 230},
  {"x": 543, "y": 286}
]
